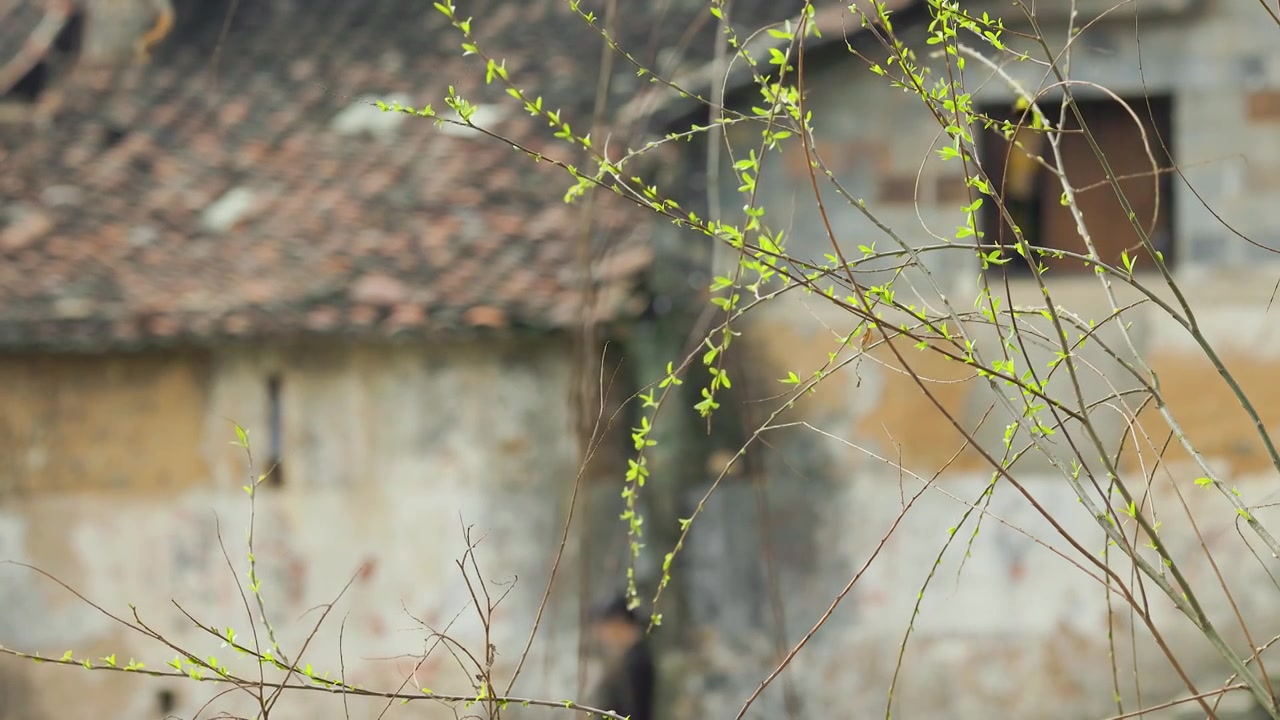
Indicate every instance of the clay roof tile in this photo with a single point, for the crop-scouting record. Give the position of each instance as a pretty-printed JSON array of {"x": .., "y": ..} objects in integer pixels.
[{"x": 243, "y": 185}]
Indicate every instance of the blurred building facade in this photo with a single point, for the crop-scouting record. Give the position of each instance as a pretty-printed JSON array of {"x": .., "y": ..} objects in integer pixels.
[
  {"x": 205, "y": 219},
  {"x": 204, "y": 222},
  {"x": 1019, "y": 632}
]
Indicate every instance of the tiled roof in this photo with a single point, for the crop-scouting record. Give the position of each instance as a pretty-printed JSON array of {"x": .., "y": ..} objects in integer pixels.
[{"x": 253, "y": 191}]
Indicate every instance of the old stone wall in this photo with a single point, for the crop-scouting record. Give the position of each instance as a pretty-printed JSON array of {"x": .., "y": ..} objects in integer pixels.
[
  {"x": 1019, "y": 632},
  {"x": 387, "y": 454}
]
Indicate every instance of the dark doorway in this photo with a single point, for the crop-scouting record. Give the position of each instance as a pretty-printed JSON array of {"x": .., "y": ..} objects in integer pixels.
[
  {"x": 61, "y": 53},
  {"x": 1033, "y": 194}
]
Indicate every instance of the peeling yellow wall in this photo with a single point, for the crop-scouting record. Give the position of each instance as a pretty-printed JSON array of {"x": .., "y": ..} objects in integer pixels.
[
  {"x": 71, "y": 424},
  {"x": 1210, "y": 412},
  {"x": 882, "y": 400}
]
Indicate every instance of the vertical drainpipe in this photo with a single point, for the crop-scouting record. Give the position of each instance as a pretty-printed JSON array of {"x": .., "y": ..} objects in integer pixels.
[{"x": 676, "y": 463}]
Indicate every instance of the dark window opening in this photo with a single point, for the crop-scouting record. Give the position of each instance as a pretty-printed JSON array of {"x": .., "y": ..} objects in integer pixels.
[
  {"x": 65, "y": 46},
  {"x": 32, "y": 85},
  {"x": 275, "y": 442},
  {"x": 113, "y": 136},
  {"x": 166, "y": 700},
  {"x": 1032, "y": 193},
  {"x": 70, "y": 36},
  {"x": 201, "y": 21},
  {"x": 200, "y": 16}
]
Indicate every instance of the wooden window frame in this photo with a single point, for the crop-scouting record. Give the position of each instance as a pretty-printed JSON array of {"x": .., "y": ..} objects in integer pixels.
[{"x": 1031, "y": 203}]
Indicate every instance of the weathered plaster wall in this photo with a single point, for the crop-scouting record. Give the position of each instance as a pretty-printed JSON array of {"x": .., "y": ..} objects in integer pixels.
[
  {"x": 1020, "y": 633},
  {"x": 52, "y": 439},
  {"x": 388, "y": 453}
]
